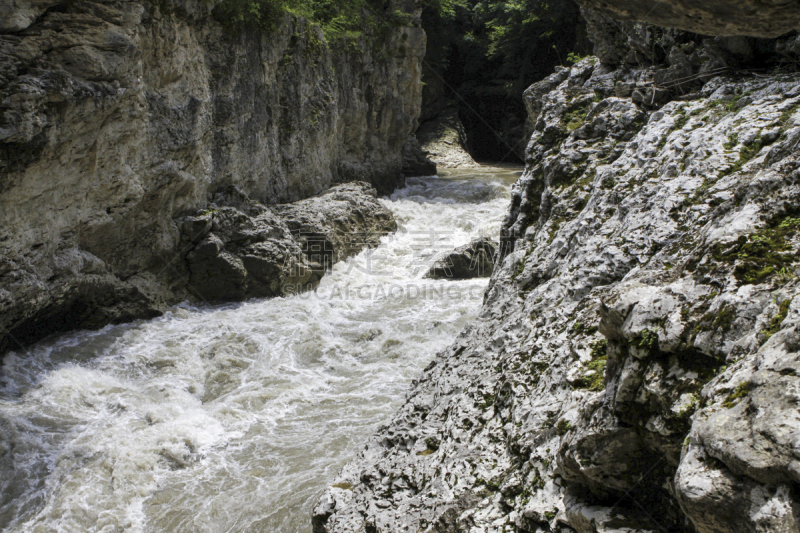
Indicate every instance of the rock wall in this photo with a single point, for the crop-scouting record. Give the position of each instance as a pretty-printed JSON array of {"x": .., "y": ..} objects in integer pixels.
[
  {"x": 117, "y": 117},
  {"x": 635, "y": 364},
  {"x": 757, "y": 18}
]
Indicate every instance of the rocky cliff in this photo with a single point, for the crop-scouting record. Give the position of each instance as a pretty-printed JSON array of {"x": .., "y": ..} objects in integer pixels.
[
  {"x": 117, "y": 118},
  {"x": 635, "y": 364}
]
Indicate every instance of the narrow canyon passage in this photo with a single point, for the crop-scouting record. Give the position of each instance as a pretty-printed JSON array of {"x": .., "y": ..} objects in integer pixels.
[{"x": 236, "y": 418}]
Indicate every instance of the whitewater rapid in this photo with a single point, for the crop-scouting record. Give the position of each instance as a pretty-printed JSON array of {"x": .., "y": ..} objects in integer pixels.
[{"x": 235, "y": 418}]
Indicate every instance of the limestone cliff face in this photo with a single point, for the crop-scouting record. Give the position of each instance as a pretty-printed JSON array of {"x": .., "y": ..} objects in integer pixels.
[
  {"x": 117, "y": 117},
  {"x": 635, "y": 364}
]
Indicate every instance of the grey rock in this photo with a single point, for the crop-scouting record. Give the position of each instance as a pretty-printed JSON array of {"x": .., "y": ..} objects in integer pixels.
[
  {"x": 755, "y": 18},
  {"x": 117, "y": 119},
  {"x": 415, "y": 162},
  {"x": 637, "y": 346},
  {"x": 444, "y": 141},
  {"x": 473, "y": 260},
  {"x": 284, "y": 249}
]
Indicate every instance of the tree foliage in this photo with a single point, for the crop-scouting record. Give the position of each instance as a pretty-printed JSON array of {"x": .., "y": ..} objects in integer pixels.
[
  {"x": 339, "y": 19},
  {"x": 488, "y": 52}
]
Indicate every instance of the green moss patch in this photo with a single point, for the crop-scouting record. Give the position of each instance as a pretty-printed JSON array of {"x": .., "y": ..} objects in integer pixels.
[
  {"x": 763, "y": 254},
  {"x": 595, "y": 381},
  {"x": 746, "y": 154},
  {"x": 562, "y": 427},
  {"x": 575, "y": 117},
  {"x": 777, "y": 320},
  {"x": 647, "y": 339},
  {"x": 742, "y": 390},
  {"x": 733, "y": 140},
  {"x": 719, "y": 321}
]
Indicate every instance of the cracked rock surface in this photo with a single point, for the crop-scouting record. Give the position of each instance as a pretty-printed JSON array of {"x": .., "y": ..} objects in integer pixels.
[
  {"x": 634, "y": 366},
  {"x": 255, "y": 251}
]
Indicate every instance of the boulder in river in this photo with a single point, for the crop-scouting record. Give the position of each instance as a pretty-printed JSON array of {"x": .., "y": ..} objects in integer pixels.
[
  {"x": 473, "y": 260},
  {"x": 271, "y": 251}
]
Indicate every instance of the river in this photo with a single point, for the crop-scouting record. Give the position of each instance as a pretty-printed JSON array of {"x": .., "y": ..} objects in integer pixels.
[{"x": 235, "y": 418}]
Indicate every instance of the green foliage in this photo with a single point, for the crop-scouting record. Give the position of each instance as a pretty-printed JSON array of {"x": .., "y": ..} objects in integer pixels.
[
  {"x": 573, "y": 58},
  {"x": 339, "y": 19},
  {"x": 485, "y": 53},
  {"x": 432, "y": 443},
  {"x": 562, "y": 427},
  {"x": 263, "y": 14},
  {"x": 763, "y": 254},
  {"x": 599, "y": 348},
  {"x": 648, "y": 340}
]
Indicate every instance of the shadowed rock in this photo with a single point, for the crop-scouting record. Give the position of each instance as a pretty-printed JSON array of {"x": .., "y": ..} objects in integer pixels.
[
  {"x": 282, "y": 249},
  {"x": 117, "y": 118},
  {"x": 755, "y": 18},
  {"x": 473, "y": 260}
]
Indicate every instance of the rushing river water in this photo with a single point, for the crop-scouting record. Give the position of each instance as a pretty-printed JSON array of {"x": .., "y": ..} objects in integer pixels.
[{"x": 236, "y": 417}]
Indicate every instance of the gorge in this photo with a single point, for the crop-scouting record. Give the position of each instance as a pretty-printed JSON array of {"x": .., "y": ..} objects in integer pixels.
[{"x": 178, "y": 356}]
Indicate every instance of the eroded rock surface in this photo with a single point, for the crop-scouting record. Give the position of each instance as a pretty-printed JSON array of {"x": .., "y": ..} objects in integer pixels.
[
  {"x": 118, "y": 118},
  {"x": 282, "y": 249},
  {"x": 756, "y": 18},
  {"x": 634, "y": 367}
]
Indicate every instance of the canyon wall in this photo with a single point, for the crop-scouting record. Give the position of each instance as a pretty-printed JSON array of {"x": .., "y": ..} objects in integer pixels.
[
  {"x": 119, "y": 117},
  {"x": 635, "y": 364}
]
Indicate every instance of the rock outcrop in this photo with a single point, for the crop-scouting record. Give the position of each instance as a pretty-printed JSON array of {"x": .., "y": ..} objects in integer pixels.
[
  {"x": 444, "y": 141},
  {"x": 757, "y": 18},
  {"x": 256, "y": 251},
  {"x": 634, "y": 367},
  {"x": 117, "y": 118},
  {"x": 473, "y": 260}
]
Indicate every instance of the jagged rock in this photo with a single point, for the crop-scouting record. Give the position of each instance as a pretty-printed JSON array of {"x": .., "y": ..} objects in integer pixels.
[
  {"x": 473, "y": 260},
  {"x": 117, "y": 118},
  {"x": 282, "y": 249},
  {"x": 634, "y": 367}
]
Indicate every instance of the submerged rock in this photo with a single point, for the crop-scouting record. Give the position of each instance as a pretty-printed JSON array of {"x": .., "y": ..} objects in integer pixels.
[{"x": 473, "y": 260}]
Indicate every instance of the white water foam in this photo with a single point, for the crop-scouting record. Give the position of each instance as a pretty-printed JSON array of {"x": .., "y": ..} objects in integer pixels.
[{"x": 235, "y": 418}]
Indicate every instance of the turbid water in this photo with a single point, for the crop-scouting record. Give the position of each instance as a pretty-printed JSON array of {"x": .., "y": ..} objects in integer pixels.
[{"x": 235, "y": 418}]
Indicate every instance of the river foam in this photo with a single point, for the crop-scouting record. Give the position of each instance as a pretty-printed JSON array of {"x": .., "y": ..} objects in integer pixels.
[{"x": 235, "y": 417}]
